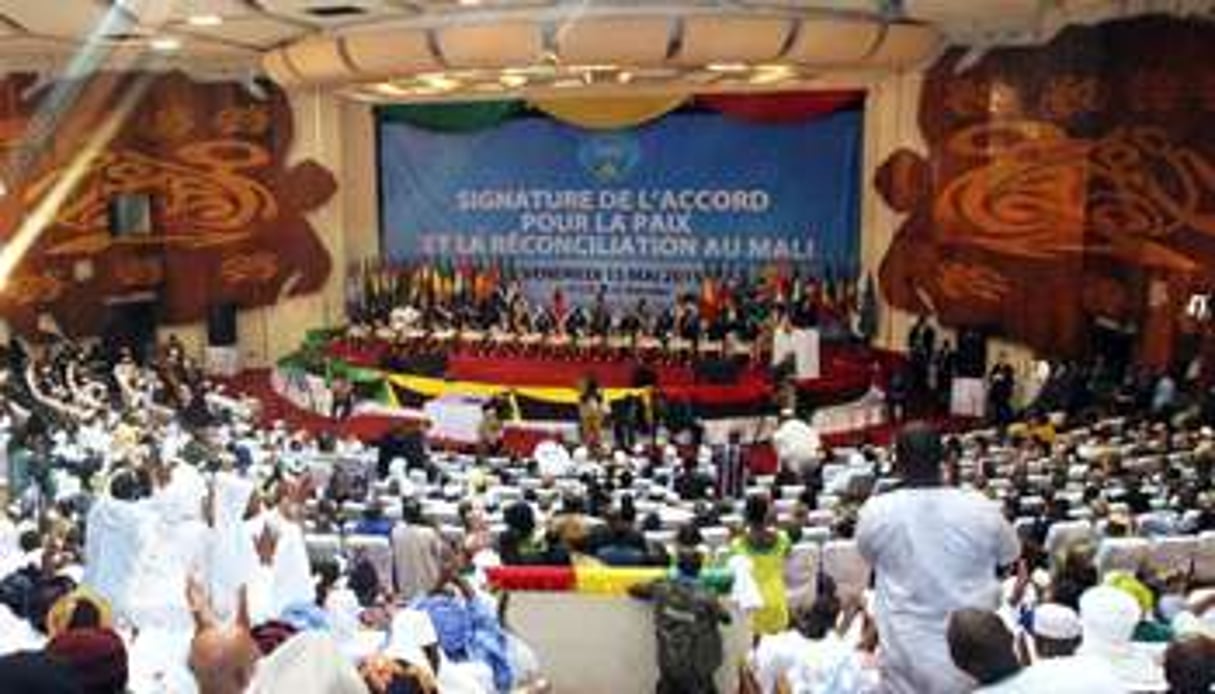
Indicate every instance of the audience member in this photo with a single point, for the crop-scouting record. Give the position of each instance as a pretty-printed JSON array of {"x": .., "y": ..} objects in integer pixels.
[{"x": 933, "y": 550}]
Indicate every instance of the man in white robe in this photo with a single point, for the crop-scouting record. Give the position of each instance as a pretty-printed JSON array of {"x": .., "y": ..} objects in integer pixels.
[
  {"x": 934, "y": 550},
  {"x": 230, "y": 559},
  {"x": 119, "y": 530}
]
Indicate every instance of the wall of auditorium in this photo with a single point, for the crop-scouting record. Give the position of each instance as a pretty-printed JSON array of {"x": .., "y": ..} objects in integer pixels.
[{"x": 340, "y": 135}]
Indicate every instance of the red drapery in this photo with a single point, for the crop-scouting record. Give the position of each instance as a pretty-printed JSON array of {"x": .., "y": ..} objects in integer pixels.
[{"x": 786, "y": 107}]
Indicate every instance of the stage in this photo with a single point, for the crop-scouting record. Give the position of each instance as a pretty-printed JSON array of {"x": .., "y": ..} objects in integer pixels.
[{"x": 448, "y": 390}]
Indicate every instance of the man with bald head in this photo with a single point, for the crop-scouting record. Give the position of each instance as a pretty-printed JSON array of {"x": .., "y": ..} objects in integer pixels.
[
  {"x": 934, "y": 550},
  {"x": 223, "y": 657}
]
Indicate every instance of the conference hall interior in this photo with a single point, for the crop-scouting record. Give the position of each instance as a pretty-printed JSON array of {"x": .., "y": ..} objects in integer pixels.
[{"x": 607, "y": 346}]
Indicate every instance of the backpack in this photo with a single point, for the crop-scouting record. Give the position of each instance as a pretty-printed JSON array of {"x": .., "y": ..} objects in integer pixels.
[{"x": 685, "y": 623}]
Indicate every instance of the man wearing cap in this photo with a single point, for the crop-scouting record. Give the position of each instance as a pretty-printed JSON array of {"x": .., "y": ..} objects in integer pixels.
[{"x": 1057, "y": 631}]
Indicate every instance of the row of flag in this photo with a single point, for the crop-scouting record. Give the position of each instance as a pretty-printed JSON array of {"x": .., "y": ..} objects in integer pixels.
[
  {"x": 377, "y": 283},
  {"x": 382, "y": 284},
  {"x": 832, "y": 290}
]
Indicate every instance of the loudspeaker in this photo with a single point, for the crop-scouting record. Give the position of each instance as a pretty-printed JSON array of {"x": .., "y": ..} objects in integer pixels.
[
  {"x": 221, "y": 325},
  {"x": 131, "y": 325}
]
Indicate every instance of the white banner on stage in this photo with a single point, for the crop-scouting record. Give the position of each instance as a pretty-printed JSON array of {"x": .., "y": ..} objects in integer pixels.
[
  {"x": 968, "y": 397},
  {"x": 455, "y": 418}
]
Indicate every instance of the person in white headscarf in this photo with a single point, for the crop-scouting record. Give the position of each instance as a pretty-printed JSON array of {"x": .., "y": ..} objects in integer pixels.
[
  {"x": 120, "y": 529},
  {"x": 307, "y": 663},
  {"x": 1109, "y": 617},
  {"x": 230, "y": 559},
  {"x": 552, "y": 459},
  {"x": 797, "y": 444},
  {"x": 175, "y": 543},
  {"x": 288, "y": 575}
]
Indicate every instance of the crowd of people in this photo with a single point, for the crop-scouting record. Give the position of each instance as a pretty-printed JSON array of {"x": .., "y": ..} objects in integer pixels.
[
  {"x": 160, "y": 538},
  {"x": 420, "y": 306}
]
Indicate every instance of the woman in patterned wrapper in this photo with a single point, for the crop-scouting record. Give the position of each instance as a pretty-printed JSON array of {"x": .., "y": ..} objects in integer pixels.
[{"x": 591, "y": 414}]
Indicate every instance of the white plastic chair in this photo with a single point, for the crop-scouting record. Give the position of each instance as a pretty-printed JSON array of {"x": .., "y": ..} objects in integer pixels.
[
  {"x": 801, "y": 572},
  {"x": 1204, "y": 559},
  {"x": 842, "y": 561},
  {"x": 377, "y": 549},
  {"x": 1173, "y": 553},
  {"x": 1121, "y": 554},
  {"x": 1065, "y": 533},
  {"x": 324, "y": 547}
]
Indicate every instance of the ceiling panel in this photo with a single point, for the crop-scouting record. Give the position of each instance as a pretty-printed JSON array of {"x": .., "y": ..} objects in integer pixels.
[
  {"x": 251, "y": 30},
  {"x": 377, "y": 54},
  {"x": 906, "y": 44},
  {"x": 717, "y": 39},
  {"x": 319, "y": 58},
  {"x": 181, "y": 10},
  {"x": 32, "y": 46},
  {"x": 833, "y": 41},
  {"x": 491, "y": 44},
  {"x": 77, "y": 18},
  {"x": 369, "y": 11},
  {"x": 619, "y": 40}
]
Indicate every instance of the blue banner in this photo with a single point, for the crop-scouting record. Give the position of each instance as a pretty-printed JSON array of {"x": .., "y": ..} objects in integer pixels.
[{"x": 643, "y": 211}]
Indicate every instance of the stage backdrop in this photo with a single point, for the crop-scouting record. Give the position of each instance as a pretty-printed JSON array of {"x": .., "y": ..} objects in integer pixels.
[{"x": 642, "y": 210}]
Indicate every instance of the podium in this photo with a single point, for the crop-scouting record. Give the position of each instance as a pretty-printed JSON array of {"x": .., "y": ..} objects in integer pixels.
[{"x": 803, "y": 346}]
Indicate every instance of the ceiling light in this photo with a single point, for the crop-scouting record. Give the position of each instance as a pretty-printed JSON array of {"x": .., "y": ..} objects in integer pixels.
[
  {"x": 165, "y": 44},
  {"x": 390, "y": 89},
  {"x": 204, "y": 20},
  {"x": 470, "y": 3},
  {"x": 727, "y": 67},
  {"x": 439, "y": 81},
  {"x": 769, "y": 74},
  {"x": 512, "y": 81},
  {"x": 624, "y": 77}
]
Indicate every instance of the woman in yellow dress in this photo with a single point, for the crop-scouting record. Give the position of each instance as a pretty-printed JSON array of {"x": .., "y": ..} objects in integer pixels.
[{"x": 767, "y": 549}]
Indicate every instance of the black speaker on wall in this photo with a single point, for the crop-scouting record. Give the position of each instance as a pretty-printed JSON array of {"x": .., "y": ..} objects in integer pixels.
[
  {"x": 130, "y": 214},
  {"x": 221, "y": 325}
]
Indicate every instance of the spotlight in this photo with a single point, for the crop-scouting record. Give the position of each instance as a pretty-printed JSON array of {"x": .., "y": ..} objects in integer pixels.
[
  {"x": 204, "y": 20},
  {"x": 165, "y": 44}
]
